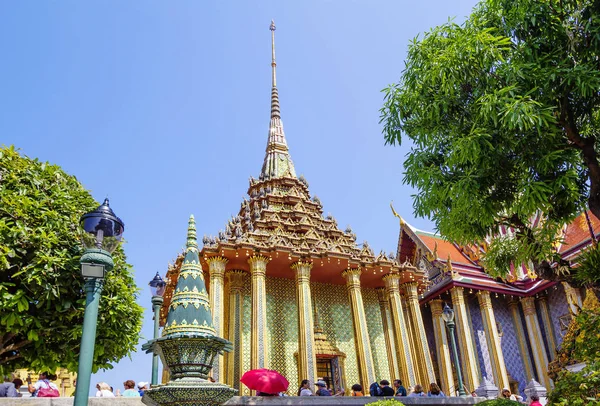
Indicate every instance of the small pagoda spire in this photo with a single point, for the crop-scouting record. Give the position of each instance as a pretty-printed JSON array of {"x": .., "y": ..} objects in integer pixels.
[
  {"x": 278, "y": 162},
  {"x": 189, "y": 312}
]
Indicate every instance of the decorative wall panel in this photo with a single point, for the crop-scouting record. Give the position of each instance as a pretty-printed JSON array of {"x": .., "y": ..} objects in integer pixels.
[
  {"x": 559, "y": 311},
  {"x": 376, "y": 334},
  {"x": 335, "y": 318},
  {"x": 282, "y": 328},
  {"x": 510, "y": 346}
]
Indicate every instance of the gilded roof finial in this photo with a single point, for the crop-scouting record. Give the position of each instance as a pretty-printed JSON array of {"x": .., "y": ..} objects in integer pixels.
[
  {"x": 396, "y": 214},
  {"x": 273, "y": 63}
]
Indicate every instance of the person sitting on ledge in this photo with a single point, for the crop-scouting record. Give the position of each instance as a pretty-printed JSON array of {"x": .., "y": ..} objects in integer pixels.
[{"x": 417, "y": 392}]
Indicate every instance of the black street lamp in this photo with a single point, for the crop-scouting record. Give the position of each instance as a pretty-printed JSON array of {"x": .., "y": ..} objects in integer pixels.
[
  {"x": 448, "y": 316},
  {"x": 157, "y": 288},
  {"x": 102, "y": 232}
]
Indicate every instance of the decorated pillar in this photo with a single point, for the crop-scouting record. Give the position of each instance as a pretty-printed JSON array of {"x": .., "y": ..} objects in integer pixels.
[
  {"x": 540, "y": 359},
  {"x": 573, "y": 298},
  {"x": 513, "y": 306},
  {"x": 421, "y": 346},
  {"x": 548, "y": 326},
  {"x": 307, "y": 360},
  {"x": 405, "y": 360},
  {"x": 237, "y": 280},
  {"x": 411, "y": 337},
  {"x": 364, "y": 356},
  {"x": 464, "y": 333},
  {"x": 388, "y": 332},
  {"x": 216, "y": 270},
  {"x": 493, "y": 339},
  {"x": 442, "y": 347},
  {"x": 258, "y": 342}
]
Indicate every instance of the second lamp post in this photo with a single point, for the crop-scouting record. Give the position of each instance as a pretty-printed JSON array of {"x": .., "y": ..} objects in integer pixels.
[
  {"x": 157, "y": 288},
  {"x": 448, "y": 316}
]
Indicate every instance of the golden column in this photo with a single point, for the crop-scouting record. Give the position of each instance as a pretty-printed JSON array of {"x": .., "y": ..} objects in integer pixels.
[
  {"x": 405, "y": 361},
  {"x": 464, "y": 333},
  {"x": 258, "y": 341},
  {"x": 442, "y": 347},
  {"x": 421, "y": 347},
  {"x": 548, "y": 327},
  {"x": 216, "y": 270},
  {"x": 540, "y": 359},
  {"x": 410, "y": 331},
  {"x": 307, "y": 360},
  {"x": 366, "y": 368},
  {"x": 493, "y": 339},
  {"x": 573, "y": 298},
  {"x": 388, "y": 332},
  {"x": 513, "y": 306},
  {"x": 237, "y": 280}
]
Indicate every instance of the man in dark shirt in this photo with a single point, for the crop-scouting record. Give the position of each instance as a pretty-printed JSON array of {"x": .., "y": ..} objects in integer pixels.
[
  {"x": 400, "y": 390},
  {"x": 385, "y": 388}
]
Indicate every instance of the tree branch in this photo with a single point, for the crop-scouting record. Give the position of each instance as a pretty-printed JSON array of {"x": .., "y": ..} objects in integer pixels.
[
  {"x": 14, "y": 347},
  {"x": 8, "y": 359}
]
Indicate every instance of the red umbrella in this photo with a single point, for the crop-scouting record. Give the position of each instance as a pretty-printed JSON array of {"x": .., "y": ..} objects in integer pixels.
[{"x": 265, "y": 380}]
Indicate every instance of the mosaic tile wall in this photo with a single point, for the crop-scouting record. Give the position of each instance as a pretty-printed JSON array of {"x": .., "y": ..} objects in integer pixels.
[
  {"x": 335, "y": 318},
  {"x": 282, "y": 328},
  {"x": 376, "y": 334},
  {"x": 557, "y": 302},
  {"x": 510, "y": 346}
]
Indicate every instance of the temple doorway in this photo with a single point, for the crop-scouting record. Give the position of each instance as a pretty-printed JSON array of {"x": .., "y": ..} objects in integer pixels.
[{"x": 329, "y": 369}]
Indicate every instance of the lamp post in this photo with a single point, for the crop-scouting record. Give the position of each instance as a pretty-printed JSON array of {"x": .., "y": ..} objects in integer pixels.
[
  {"x": 102, "y": 231},
  {"x": 448, "y": 316},
  {"x": 157, "y": 288}
]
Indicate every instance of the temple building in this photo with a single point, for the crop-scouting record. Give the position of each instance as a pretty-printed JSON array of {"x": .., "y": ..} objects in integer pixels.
[{"x": 295, "y": 293}]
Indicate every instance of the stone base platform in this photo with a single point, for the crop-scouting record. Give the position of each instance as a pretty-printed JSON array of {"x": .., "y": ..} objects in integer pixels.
[{"x": 250, "y": 401}]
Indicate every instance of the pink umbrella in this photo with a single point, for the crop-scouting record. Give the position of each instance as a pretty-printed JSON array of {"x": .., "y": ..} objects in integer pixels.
[{"x": 265, "y": 380}]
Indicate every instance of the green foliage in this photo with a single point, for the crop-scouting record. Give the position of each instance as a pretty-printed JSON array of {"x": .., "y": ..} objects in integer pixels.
[
  {"x": 498, "y": 402},
  {"x": 588, "y": 271},
  {"x": 577, "y": 388},
  {"x": 41, "y": 297},
  {"x": 386, "y": 402},
  {"x": 503, "y": 113},
  {"x": 581, "y": 344}
]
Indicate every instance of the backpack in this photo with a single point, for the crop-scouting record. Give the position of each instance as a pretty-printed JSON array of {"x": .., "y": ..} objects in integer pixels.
[{"x": 375, "y": 389}]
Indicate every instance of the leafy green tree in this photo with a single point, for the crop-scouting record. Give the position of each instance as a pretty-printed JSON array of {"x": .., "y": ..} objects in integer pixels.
[
  {"x": 41, "y": 288},
  {"x": 581, "y": 344},
  {"x": 503, "y": 115}
]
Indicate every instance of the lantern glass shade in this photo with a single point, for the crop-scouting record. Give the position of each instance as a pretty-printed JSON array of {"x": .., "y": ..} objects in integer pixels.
[
  {"x": 157, "y": 285},
  {"x": 101, "y": 228},
  {"x": 448, "y": 314}
]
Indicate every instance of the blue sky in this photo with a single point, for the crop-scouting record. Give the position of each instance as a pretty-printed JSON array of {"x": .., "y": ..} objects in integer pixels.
[{"x": 164, "y": 108}]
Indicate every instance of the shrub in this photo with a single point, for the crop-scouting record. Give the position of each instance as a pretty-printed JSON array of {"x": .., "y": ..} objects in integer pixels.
[
  {"x": 386, "y": 402},
  {"x": 498, "y": 402}
]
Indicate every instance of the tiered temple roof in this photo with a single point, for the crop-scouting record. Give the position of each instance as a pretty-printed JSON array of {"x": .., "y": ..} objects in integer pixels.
[
  {"x": 449, "y": 264},
  {"x": 281, "y": 219}
]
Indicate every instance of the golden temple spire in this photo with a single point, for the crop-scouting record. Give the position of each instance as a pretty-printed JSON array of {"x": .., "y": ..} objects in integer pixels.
[
  {"x": 273, "y": 63},
  {"x": 278, "y": 162}
]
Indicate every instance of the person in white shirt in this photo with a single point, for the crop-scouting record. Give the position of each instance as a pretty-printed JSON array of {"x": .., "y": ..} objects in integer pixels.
[
  {"x": 42, "y": 382},
  {"x": 104, "y": 390}
]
